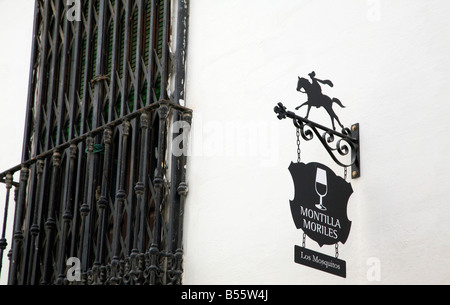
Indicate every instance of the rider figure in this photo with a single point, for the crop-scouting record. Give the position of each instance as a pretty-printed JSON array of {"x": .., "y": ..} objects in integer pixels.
[
  {"x": 317, "y": 90},
  {"x": 316, "y": 98}
]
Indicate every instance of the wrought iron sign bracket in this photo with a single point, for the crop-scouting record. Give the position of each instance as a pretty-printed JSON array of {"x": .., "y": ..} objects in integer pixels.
[{"x": 347, "y": 142}]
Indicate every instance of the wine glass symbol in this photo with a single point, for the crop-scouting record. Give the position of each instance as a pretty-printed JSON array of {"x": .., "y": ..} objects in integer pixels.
[{"x": 321, "y": 187}]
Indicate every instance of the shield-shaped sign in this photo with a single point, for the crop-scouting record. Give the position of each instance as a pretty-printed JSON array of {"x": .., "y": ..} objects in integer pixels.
[{"x": 319, "y": 207}]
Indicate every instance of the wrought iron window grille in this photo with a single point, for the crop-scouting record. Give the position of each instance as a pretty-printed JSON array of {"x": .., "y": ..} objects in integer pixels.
[{"x": 94, "y": 174}]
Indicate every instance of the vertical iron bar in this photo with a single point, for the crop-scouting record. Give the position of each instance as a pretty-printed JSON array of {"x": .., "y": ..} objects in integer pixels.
[
  {"x": 182, "y": 192},
  {"x": 177, "y": 199},
  {"x": 83, "y": 166},
  {"x": 75, "y": 77},
  {"x": 138, "y": 246},
  {"x": 135, "y": 138},
  {"x": 41, "y": 78},
  {"x": 181, "y": 48},
  {"x": 151, "y": 61},
  {"x": 139, "y": 48},
  {"x": 126, "y": 57},
  {"x": 18, "y": 223},
  {"x": 114, "y": 80},
  {"x": 26, "y": 150},
  {"x": 3, "y": 241},
  {"x": 132, "y": 204},
  {"x": 178, "y": 187},
  {"x": 85, "y": 210},
  {"x": 67, "y": 188},
  {"x": 100, "y": 65},
  {"x": 165, "y": 51},
  {"x": 88, "y": 68},
  {"x": 74, "y": 105},
  {"x": 125, "y": 95},
  {"x": 32, "y": 204},
  {"x": 158, "y": 183},
  {"x": 141, "y": 185},
  {"x": 50, "y": 223},
  {"x": 99, "y": 94},
  {"x": 119, "y": 200},
  {"x": 35, "y": 229},
  {"x": 174, "y": 198},
  {"x": 52, "y": 95},
  {"x": 103, "y": 201},
  {"x": 134, "y": 163},
  {"x": 74, "y": 244},
  {"x": 67, "y": 215},
  {"x": 132, "y": 208},
  {"x": 87, "y": 207},
  {"x": 114, "y": 61},
  {"x": 63, "y": 80},
  {"x": 29, "y": 207}
]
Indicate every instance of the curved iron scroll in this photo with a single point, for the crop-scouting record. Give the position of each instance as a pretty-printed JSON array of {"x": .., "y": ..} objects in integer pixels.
[{"x": 347, "y": 141}]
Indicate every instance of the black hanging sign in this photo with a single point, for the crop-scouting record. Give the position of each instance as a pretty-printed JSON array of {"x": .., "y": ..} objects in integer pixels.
[
  {"x": 319, "y": 207},
  {"x": 320, "y": 261}
]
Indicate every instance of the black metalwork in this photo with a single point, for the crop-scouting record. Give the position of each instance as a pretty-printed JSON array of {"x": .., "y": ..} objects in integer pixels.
[
  {"x": 96, "y": 182},
  {"x": 345, "y": 142},
  {"x": 316, "y": 98}
]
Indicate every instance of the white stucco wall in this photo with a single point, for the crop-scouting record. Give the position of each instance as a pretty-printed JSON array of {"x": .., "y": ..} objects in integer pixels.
[{"x": 389, "y": 61}]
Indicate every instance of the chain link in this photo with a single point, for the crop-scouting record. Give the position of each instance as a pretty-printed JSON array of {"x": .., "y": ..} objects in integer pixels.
[
  {"x": 299, "y": 151},
  {"x": 345, "y": 173},
  {"x": 336, "y": 248},
  {"x": 304, "y": 240}
]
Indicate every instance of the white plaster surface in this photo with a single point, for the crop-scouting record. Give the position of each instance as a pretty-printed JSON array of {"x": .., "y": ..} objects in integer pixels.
[{"x": 389, "y": 62}]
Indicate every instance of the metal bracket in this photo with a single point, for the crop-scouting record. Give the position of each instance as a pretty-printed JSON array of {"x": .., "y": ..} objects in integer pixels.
[{"x": 348, "y": 141}]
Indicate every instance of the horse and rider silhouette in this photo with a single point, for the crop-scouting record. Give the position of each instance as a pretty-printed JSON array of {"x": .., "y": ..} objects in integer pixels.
[{"x": 316, "y": 98}]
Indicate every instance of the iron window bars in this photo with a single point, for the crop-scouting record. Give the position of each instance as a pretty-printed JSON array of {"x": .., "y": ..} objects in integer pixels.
[{"x": 97, "y": 180}]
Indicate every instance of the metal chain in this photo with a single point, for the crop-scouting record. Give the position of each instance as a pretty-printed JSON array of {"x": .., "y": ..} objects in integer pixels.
[
  {"x": 299, "y": 158},
  {"x": 299, "y": 151},
  {"x": 336, "y": 246}
]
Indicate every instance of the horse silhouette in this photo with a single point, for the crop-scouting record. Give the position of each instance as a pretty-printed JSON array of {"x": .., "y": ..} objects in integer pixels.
[{"x": 316, "y": 98}]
